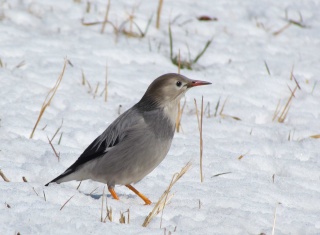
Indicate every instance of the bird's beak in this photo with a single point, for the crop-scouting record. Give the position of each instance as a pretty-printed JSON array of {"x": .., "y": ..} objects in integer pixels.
[{"x": 193, "y": 83}]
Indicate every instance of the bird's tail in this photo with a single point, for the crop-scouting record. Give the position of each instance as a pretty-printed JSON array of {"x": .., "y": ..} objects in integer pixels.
[{"x": 64, "y": 177}]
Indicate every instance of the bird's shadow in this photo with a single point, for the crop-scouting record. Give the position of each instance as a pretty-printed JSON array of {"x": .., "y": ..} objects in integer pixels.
[{"x": 98, "y": 196}]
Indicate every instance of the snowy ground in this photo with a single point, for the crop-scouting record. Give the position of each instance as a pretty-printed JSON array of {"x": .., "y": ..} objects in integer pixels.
[{"x": 280, "y": 163}]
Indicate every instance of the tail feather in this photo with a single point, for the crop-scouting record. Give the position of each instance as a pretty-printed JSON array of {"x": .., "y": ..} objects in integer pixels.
[{"x": 60, "y": 177}]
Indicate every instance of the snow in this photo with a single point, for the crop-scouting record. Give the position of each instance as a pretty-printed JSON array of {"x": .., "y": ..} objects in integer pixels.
[{"x": 280, "y": 165}]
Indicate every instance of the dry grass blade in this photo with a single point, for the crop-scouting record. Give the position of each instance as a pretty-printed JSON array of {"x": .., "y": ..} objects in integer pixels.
[
  {"x": 122, "y": 218},
  {"x": 54, "y": 150},
  {"x": 99, "y": 22},
  {"x": 22, "y": 63},
  {"x": 130, "y": 33},
  {"x": 202, "y": 52},
  {"x": 273, "y": 177},
  {"x": 44, "y": 196},
  {"x": 57, "y": 131},
  {"x": 217, "y": 107},
  {"x": 79, "y": 185},
  {"x": 88, "y": 8},
  {"x": 224, "y": 173},
  {"x": 102, "y": 200},
  {"x": 106, "y": 86},
  {"x": 267, "y": 67},
  {"x": 282, "y": 29},
  {"x": 207, "y": 110},
  {"x": 315, "y": 136},
  {"x": 222, "y": 108},
  {"x": 49, "y": 98},
  {"x": 105, "y": 18},
  {"x": 201, "y": 140},
  {"x": 180, "y": 111},
  {"x": 297, "y": 23},
  {"x": 226, "y": 115},
  {"x": 286, "y": 108},
  {"x": 35, "y": 191},
  {"x": 164, "y": 199},
  {"x": 276, "y": 112},
  {"x": 242, "y": 155},
  {"x": 291, "y": 73},
  {"x": 83, "y": 78},
  {"x": 179, "y": 116},
  {"x": 109, "y": 214},
  {"x": 108, "y": 210},
  {"x": 89, "y": 87},
  {"x": 184, "y": 63},
  {"x": 159, "y": 14},
  {"x": 3, "y": 176},
  {"x": 275, "y": 218},
  {"x": 93, "y": 191},
  {"x": 171, "y": 42},
  {"x": 128, "y": 218},
  {"x": 66, "y": 202},
  {"x": 60, "y": 138},
  {"x": 96, "y": 90},
  {"x": 295, "y": 80},
  {"x": 179, "y": 62},
  {"x": 314, "y": 86},
  {"x": 197, "y": 113}
]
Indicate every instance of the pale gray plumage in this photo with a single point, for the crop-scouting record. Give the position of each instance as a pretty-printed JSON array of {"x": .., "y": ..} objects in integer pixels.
[{"x": 137, "y": 141}]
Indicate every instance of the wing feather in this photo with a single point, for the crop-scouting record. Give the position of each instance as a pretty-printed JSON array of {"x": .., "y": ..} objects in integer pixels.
[{"x": 112, "y": 136}]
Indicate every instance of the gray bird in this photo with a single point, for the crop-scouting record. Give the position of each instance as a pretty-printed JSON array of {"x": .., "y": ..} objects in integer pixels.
[{"x": 137, "y": 141}]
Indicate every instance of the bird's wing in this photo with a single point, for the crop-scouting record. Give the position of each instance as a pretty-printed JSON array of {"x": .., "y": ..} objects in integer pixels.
[{"x": 112, "y": 136}]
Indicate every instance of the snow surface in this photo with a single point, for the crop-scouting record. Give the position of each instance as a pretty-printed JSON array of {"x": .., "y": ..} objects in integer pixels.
[{"x": 280, "y": 162}]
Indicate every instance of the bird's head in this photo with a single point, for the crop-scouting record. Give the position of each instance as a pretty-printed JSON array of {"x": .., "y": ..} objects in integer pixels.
[{"x": 169, "y": 88}]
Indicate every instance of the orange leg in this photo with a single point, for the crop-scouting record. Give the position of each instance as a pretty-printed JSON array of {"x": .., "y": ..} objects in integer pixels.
[
  {"x": 144, "y": 198},
  {"x": 113, "y": 193}
]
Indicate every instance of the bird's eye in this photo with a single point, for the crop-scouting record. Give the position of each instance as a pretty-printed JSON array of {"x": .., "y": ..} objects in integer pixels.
[{"x": 178, "y": 84}]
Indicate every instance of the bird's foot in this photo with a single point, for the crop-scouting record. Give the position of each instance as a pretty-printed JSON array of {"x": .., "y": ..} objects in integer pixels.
[{"x": 143, "y": 197}]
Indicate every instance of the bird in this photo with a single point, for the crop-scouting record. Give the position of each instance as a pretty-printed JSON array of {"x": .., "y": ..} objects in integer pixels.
[{"x": 136, "y": 142}]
